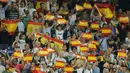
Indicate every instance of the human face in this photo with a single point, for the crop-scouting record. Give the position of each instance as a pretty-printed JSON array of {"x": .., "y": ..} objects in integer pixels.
[{"x": 59, "y": 28}]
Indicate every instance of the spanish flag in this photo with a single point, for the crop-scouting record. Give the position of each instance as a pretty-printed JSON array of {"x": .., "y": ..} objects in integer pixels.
[
  {"x": 43, "y": 40},
  {"x": 124, "y": 19},
  {"x": 50, "y": 17},
  {"x": 33, "y": 26},
  {"x": 11, "y": 25},
  {"x": 18, "y": 54},
  {"x": 92, "y": 58},
  {"x": 122, "y": 54},
  {"x": 95, "y": 42},
  {"x": 87, "y": 5},
  {"x": 92, "y": 46},
  {"x": 79, "y": 7},
  {"x": 80, "y": 57},
  {"x": 106, "y": 31},
  {"x": 84, "y": 49},
  {"x": 94, "y": 26},
  {"x": 61, "y": 21},
  {"x": 59, "y": 64},
  {"x": 50, "y": 51},
  {"x": 4, "y": 1},
  {"x": 83, "y": 24},
  {"x": 37, "y": 68},
  {"x": 28, "y": 58},
  {"x": 75, "y": 43},
  {"x": 42, "y": 53},
  {"x": 106, "y": 9},
  {"x": 68, "y": 69},
  {"x": 39, "y": 2},
  {"x": 87, "y": 35},
  {"x": 63, "y": 12}
]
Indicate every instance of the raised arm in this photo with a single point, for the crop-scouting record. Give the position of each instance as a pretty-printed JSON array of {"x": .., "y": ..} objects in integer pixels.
[{"x": 9, "y": 3}]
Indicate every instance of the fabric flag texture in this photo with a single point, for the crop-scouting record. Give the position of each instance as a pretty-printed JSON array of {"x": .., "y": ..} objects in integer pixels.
[
  {"x": 122, "y": 54},
  {"x": 79, "y": 7},
  {"x": 87, "y": 35},
  {"x": 63, "y": 12},
  {"x": 124, "y": 20},
  {"x": 92, "y": 46},
  {"x": 39, "y": 2},
  {"x": 83, "y": 24},
  {"x": 28, "y": 58},
  {"x": 18, "y": 54},
  {"x": 81, "y": 57},
  {"x": 4, "y": 1},
  {"x": 94, "y": 26},
  {"x": 105, "y": 9},
  {"x": 84, "y": 49},
  {"x": 75, "y": 43},
  {"x": 61, "y": 21},
  {"x": 59, "y": 64},
  {"x": 33, "y": 26},
  {"x": 50, "y": 17},
  {"x": 87, "y": 5},
  {"x": 43, "y": 53},
  {"x": 106, "y": 31},
  {"x": 92, "y": 58},
  {"x": 69, "y": 69}
]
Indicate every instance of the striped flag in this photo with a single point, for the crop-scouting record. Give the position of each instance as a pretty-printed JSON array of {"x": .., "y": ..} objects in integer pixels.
[
  {"x": 63, "y": 12},
  {"x": 124, "y": 19},
  {"x": 106, "y": 31},
  {"x": 84, "y": 49},
  {"x": 59, "y": 64},
  {"x": 87, "y": 35},
  {"x": 61, "y": 21},
  {"x": 50, "y": 17},
  {"x": 68, "y": 69},
  {"x": 92, "y": 46},
  {"x": 37, "y": 68},
  {"x": 95, "y": 42},
  {"x": 11, "y": 25},
  {"x": 33, "y": 26},
  {"x": 87, "y": 5},
  {"x": 79, "y": 7},
  {"x": 43, "y": 53},
  {"x": 92, "y": 58},
  {"x": 122, "y": 54},
  {"x": 18, "y": 54},
  {"x": 28, "y": 58},
  {"x": 75, "y": 43},
  {"x": 50, "y": 51},
  {"x": 94, "y": 26},
  {"x": 106, "y": 9},
  {"x": 83, "y": 24}
]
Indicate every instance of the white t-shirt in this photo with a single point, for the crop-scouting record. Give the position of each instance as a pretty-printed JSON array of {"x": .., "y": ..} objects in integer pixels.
[
  {"x": 22, "y": 44},
  {"x": 127, "y": 41},
  {"x": 2, "y": 68},
  {"x": 31, "y": 11},
  {"x": 59, "y": 34},
  {"x": 21, "y": 11},
  {"x": 20, "y": 26}
]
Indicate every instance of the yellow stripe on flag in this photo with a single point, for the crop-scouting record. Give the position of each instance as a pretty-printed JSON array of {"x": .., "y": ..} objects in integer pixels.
[
  {"x": 28, "y": 58},
  {"x": 17, "y": 54},
  {"x": 106, "y": 31},
  {"x": 60, "y": 64},
  {"x": 87, "y": 35},
  {"x": 84, "y": 49},
  {"x": 124, "y": 20},
  {"x": 107, "y": 11},
  {"x": 92, "y": 46},
  {"x": 122, "y": 54},
  {"x": 42, "y": 53},
  {"x": 75, "y": 43},
  {"x": 83, "y": 24},
  {"x": 61, "y": 21},
  {"x": 95, "y": 26},
  {"x": 87, "y": 5},
  {"x": 37, "y": 68},
  {"x": 50, "y": 50},
  {"x": 92, "y": 58},
  {"x": 63, "y": 12},
  {"x": 80, "y": 57},
  {"x": 79, "y": 7},
  {"x": 95, "y": 42},
  {"x": 50, "y": 17},
  {"x": 69, "y": 69}
]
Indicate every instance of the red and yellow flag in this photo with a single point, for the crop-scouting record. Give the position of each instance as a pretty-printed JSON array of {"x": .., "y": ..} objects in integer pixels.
[
  {"x": 18, "y": 54},
  {"x": 50, "y": 17},
  {"x": 4, "y": 1},
  {"x": 87, "y": 5},
  {"x": 79, "y": 7},
  {"x": 11, "y": 25},
  {"x": 28, "y": 58},
  {"x": 95, "y": 42},
  {"x": 94, "y": 26},
  {"x": 106, "y": 31},
  {"x": 84, "y": 49},
  {"x": 92, "y": 46},
  {"x": 83, "y": 24},
  {"x": 63, "y": 12},
  {"x": 39, "y": 2},
  {"x": 87, "y": 35},
  {"x": 50, "y": 51},
  {"x": 61, "y": 21},
  {"x": 122, "y": 54},
  {"x": 124, "y": 20},
  {"x": 75, "y": 43},
  {"x": 43, "y": 53},
  {"x": 69, "y": 69},
  {"x": 59, "y": 64},
  {"x": 105, "y": 9},
  {"x": 34, "y": 26},
  {"x": 92, "y": 58}
]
